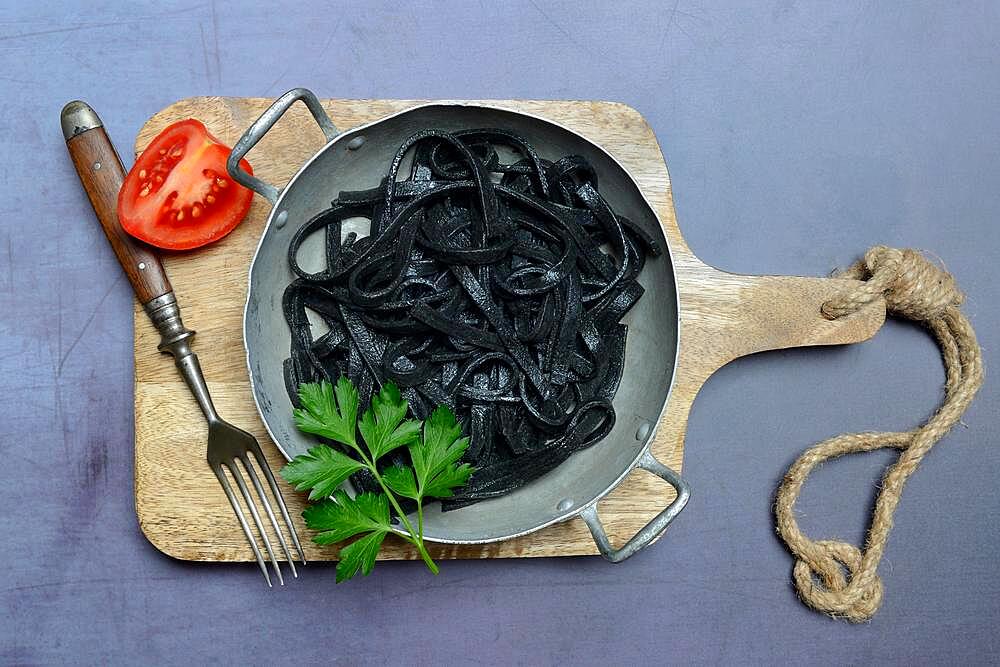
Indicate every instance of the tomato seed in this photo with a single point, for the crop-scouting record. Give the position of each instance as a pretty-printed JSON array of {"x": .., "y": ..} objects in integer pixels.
[
  {"x": 210, "y": 199},
  {"x": 223, "y": 183},
  {"x": 176, "y": 153},
  {"x": 195, "y": 211},
  {"x": 163, "y": 151},
  {"x": 142, "y": 173},
  {"x": 144, "y": 192},
  {"x": 180, "y": 215},
  {"x": 159, "y": 179}
]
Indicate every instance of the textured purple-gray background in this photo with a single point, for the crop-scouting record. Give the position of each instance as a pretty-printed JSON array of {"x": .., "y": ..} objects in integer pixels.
[{"x": 797, "y": 135}]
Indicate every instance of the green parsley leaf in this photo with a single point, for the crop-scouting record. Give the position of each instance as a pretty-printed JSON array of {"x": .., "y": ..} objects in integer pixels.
[
  {"x": 323, "y": 469},
  {"x": 345, "y": 517},
  {"x": 321, "y": 416},
  {"x": 359, "y": 555},
  {"x": 450, "y": 477},
  {"x": 382, "y": 424},
  {"x": 400, "y": 480},
  {"x": 435, "y": 457}
]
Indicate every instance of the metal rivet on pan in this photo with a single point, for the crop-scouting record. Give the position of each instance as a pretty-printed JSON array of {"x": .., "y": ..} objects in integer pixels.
[
  {"x": 282, "y": 218},
  {"x": 643, "y": 431},
  {"x": 142, "y": 266},
  {"x": 97, "y": 165},
  {"x": 355, "y": 143},
  {"x": 564, "y": 504}
]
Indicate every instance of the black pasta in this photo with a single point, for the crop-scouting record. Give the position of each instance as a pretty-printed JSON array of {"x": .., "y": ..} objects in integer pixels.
[{"x": 493, "y": 287}]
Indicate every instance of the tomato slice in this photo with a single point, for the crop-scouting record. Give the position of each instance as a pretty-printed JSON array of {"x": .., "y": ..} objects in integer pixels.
[{"x": 178, "y": 195}]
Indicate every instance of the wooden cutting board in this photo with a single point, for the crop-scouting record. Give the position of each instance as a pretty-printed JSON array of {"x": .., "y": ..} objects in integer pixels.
[{"x": 181, "y": 507}]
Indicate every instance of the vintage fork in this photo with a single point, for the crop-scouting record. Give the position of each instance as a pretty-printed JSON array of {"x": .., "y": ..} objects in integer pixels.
[{"x": 102, "y": 174}]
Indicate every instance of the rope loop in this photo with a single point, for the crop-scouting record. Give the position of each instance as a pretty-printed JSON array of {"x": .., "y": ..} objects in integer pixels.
[{"x": 835, "y": 577}]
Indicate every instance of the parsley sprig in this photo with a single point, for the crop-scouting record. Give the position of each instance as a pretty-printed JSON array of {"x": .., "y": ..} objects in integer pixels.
[{"x": 436, "y": 446}]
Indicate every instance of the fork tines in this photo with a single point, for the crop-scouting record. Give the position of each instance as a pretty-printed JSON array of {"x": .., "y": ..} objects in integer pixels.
[{"x": 234, "y": 470}]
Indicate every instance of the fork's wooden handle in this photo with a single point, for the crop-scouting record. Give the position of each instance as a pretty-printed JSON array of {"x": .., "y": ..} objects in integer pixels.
[{"x": 102, "y": 174}]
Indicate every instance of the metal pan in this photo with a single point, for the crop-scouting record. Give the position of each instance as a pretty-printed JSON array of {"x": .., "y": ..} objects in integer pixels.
[{"x": 356, "y": 159}]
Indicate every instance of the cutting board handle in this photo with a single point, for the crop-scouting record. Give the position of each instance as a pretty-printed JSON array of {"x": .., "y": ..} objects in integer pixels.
[{"x": 726, "y": 316}]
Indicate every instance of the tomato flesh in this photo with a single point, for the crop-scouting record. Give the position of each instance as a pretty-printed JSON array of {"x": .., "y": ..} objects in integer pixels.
[{"x": 178, "y": 195}]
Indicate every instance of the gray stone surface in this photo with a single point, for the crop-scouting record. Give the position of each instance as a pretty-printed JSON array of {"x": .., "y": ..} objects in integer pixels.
[{"x": 797, "y": 135}]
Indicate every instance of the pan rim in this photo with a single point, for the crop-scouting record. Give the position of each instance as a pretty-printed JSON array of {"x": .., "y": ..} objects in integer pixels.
[{"x": 346, "y": 135}]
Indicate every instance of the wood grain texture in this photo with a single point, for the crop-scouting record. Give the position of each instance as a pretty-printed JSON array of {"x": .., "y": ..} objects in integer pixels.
[
  {"x": 182, "y": 509},
  {"x": 102, "y": 174}
]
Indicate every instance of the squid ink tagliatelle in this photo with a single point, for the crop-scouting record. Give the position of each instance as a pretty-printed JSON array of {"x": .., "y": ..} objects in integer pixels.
[{"x": 493, "y": 281}]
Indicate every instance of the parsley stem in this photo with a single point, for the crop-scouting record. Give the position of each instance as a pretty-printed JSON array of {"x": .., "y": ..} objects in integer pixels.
[
  {"x": 416, "y": 538},
  {"x": 420, "y": 517}
]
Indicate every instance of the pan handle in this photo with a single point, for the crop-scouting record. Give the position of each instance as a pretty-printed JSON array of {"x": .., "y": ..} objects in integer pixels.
[
  {"x": 261, "y": 127},
  {"x": 652, "y": 530}
]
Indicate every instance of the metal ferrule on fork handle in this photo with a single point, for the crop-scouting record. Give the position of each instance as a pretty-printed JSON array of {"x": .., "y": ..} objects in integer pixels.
[
  {"x": 175, "y": 339},
  {"x": 166, "y": 317}
]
